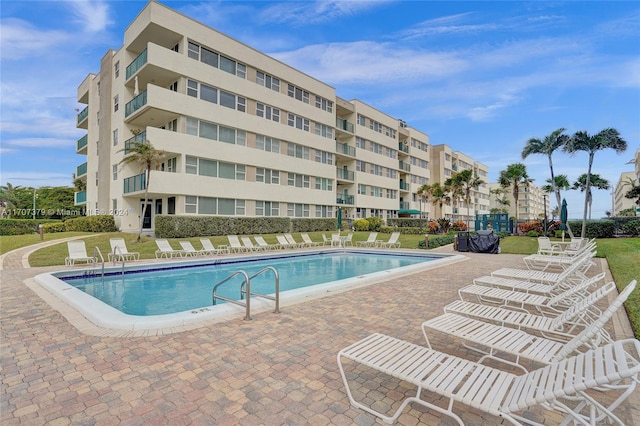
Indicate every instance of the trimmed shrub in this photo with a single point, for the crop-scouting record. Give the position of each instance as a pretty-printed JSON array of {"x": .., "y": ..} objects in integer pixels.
[
  {"x": 459, "y": 226},
  {"x": 435, "y": 242},
  {"x": 103, "y": 223},
  {"x": 51, "y": 228},
  {"x": 434, "y": 228},
  {"x": 533, "y": 234},
  {"x": 375, "y": 223},
  {"x": 361, "y": 225},
  {"x": 22, "y": 226},
  {"x": 594, "y": 229},
  {"x": 632, "y": 227}
]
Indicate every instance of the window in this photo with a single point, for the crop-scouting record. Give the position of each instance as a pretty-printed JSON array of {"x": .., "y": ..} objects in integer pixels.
[
  {"x": 190, "y": 204},
  {"x": 115, "y": 137},
  {"x": 268, "y": 81},
  {"x": 267, "y": 208},
  {"x": 297, "y": 210},
  {"x": 268, "y": 144},
  {"x": 361, "y": 143},
  {"x": 114, "y": 172},
  {"x": 324, "y": 211},
  {"x": 362, "y": 189},
  {"x": 324, "y": 157},
  {"x": 324, "y": 131},
  {"x": 298, "y": 151},
  {"x": 216, "y": 60},
  {"x": 265, "y": 111},
  {"x": 267, "y": 176},
  {"x": 116, "y": 103},
  {"x": 362, "y": 120},
  {"x": 116, "y": 69},
  {"x": 173, "y": 86},
  {"x": 298, "y": 93},
  {"x": 324, "y": 184},
  {"x": 298, "y": 180},
  {"x": 324, "y": 104},
  {"x": 298, "y": 122}
]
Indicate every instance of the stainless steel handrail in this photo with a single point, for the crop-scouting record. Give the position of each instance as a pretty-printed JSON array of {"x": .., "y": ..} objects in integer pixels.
[
  {"x": 246, "y": 304},
  {"x": 97, "y": 249},
  {"x": 275, "y": 298},
  {"x": 117, "y": 249}
]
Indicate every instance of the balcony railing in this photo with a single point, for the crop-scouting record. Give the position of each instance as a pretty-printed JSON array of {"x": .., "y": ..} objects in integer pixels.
[
  {"x": 405, "y": 186},
  {"x": 80, "y": 197},
  {"x": 345, "y": 199},
  {"x": 82, "y": 142},
  {"x": 343, "y": 124},
  {"x": 81, "y": 170},
  {"x": 404, "y": 205},
  {"x": 345, "y": 174},
  {"x": 82, "y": 115},
  {"x": 403, "y": 147},
  {"x": 343, "y": 148},
  {"x": 137, "y": 63},
  {"x": 135, "y": 183},
  {"x": 135, "y": 104},
  {"x": 139, "y": 138},
  {"x": 404, "y": 166}
]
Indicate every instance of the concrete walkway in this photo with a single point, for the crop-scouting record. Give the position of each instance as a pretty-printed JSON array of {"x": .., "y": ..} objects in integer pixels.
[{"x": 274, "y": 370}]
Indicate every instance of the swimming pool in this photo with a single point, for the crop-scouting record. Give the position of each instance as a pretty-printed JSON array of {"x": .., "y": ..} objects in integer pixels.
[{"x": 161, "y": 295}]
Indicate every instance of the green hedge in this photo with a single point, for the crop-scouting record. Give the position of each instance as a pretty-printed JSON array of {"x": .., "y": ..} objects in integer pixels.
[
  {"x": 435, "y": 242},
  {"x": 595, "y": 228},
  {"x": 102, "y": 223},
  {"x": 172, "y": 226},
  {"x": 20, "y": 226},
  {"x": 631, "y": 227}
]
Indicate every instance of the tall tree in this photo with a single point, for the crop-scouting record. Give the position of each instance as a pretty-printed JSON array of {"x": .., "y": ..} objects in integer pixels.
[
  {"x": 436, "y": 193},
  {"x": 501, "y": 199},
  {"x": 581, "y": 141},
  {"x": 557, "y": 139},
  {"x": 596, "y": 182},
  {"x": 561, "y": 184},
  {"x": 144, "y": 156},
  {"x": 454, "y": 188},
  {"x": 515, "y": 176},
  {"x": 467, "y": 182},
  {"x": 634, "y": 190},
  {"x": 8, "y": 199}
]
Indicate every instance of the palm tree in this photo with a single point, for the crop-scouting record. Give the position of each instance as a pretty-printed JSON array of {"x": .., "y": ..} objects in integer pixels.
[
  {"x": 454, "y": 188},
  {"x": 147, "y": 158},
  {"x": 8, "y": 199},
  {"x": 596, "y": 182},
  {"x": 514, "y": 176},
  {"x": 581, "y": 141},
  {"x": 501, "y": 199},
  {"x": 467, "y": 181},
  {"x": 633, "y": 192},
  {"x": 437, "y": 194},
  {"x": 547, "y": 146},
  {"x": 561, "y": 183}
]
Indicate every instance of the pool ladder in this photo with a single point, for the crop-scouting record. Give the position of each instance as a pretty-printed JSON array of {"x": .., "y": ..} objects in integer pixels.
[{"x": 245, "y": 289}]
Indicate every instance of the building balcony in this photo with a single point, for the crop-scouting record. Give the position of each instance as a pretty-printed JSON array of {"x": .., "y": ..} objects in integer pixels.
[
  {"x": 136, "y": 64},
  {"x": 344, "y": 149},
  {"x": 344, "y": 125},
  {"x": 404, "y": 205},
  {"x": 81, "y": 170},
  {"x": 80, "y": 198},
  {"x": 82, "y": 119},
  {"x": 137, "y": 139},
  {"x": 404, "y": 186},
  {"x": 135, "y": 183},
  {"x": 404, "y": 166},
  {"x": 403, "y": 148},
  {"x": 135, "y": 104},
  {"x": 81, "y": 145},
  {"x": 345, "y": 175},
  {"x": 345, "y": 199}
]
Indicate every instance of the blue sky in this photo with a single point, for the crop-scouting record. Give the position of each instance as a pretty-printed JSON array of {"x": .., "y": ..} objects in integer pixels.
[{"x": 482, "y": 77}]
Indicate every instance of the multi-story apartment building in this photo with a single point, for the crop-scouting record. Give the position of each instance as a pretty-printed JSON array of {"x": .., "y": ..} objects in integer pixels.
[
  {"x": 241, "y": 133},
  {"x": 532, "y": 202},
  {"x": 445, "y": 163},
  {"x": 620, "y": 202}
]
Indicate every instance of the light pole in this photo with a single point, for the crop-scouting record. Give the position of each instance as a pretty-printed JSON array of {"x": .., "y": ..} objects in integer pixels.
[
  {"x": 545, "y": 213},
  {"x": 420, "y": 199},
  {"x": 34, "y": 203}
]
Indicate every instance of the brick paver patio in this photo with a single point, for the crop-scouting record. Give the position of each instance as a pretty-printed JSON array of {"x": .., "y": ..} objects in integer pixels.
[{"x": 278, "y": 369}]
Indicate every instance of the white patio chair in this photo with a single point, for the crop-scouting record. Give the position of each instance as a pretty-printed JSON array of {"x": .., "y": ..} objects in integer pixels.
[
  {"x": 530, "y": 301},
  {"x": 546, "y": 247},
  {"x": 235, "y": 245},
  {"x": 308, "y": 241},
  {"x": 546, "y": 261},
  {"x": 262, "y": 243},
  {"x": 165, "y": 250},
  {"x": 78, "y": 253},
  {"x": 284, "y": 244},
  {"x": 325, "y": 241},
  {"x": 495, "y": 391},
  {"x": 190, "y": 250},
  {"x": 538, "y": 281},
  {"x": 370, "y": 242},
  {"x": 211, "y": 249},
  {"x": 246, "y": 241},
  {"x": 498, "y": 342},
  {"x": 336, "y": 241},
  {"x": 393, "y": 241},
  {"x": 348, "y": 241},
  {"x": 293, "y": 241},
  {"x": 566, "y": 323},
  {"x": 120, "y": 252},
  {"x": 579, "y": 267}
]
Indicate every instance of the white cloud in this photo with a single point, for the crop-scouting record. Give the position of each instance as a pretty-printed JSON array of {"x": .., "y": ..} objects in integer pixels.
[
  {"x": 41, "y": 143},
  {"x": 20, "y": 39},
  {"x": 319, "y": 11},
  {"x": 93, "y": 16}
]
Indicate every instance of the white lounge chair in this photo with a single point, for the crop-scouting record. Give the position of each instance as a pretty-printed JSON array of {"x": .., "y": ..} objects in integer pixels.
[
  {"x": 235, "y": 245},
  {"x": 262, "y": 243},
  {"x": 293, "y": 241},
  {"x": 246, "y": 242},
  {"x": 566, "y": 323},
  {"x": 502, "y": 341},
  {"x": 336, "y": 241},
  {"x": 393, "y": 241},
  {"x": 120, "y": 252},
  {"x": 348, "y": 241},
  {"x": 284, "y": 244},
  {"x": 78, "y": 253},
  {"x": 545, "y": 261},
  {"x": 325, "y": 241},
  {"x": 209, "y": 247},
  {"x": 579, "y": 267},
  {"x": 538, "y": 281},
  {"x": 540, "y": 302},
  {"x": 371, "y": 241},
  {"x": 165, "y": 250},
  {"x": 308, "y": 242},
  {"x": 494, "y": 391},
  {"x": 190, "y": 250}
]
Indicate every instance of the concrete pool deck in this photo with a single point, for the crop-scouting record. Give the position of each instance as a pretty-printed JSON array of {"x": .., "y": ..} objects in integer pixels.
[{"x": 276, "y": 369}]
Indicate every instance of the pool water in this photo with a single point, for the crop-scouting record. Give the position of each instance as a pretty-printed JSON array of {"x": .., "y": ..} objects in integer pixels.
[{"x": 165, "y": 291}]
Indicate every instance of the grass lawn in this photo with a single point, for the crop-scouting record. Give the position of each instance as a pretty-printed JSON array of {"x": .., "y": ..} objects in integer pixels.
[{"x": 622, "y": 254}]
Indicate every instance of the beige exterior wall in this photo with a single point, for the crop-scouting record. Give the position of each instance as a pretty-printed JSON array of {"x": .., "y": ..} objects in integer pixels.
[
  {"x": 248, "y": 136},
  {"x": 531, "y": 202},
  {"x": 620, "y": 202}
]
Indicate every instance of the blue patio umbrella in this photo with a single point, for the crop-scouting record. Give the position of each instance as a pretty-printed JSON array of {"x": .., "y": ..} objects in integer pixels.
[
  {"x": 339, "y": 218},
  {"x": 563, "y": 217}
]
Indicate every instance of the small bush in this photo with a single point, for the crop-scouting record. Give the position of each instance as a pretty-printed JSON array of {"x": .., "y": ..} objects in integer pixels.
[
  {"x": 531, "y": 226},
  {"x": 361, "y": 225},
  {"x": 20, "y": 226},
  {"x": 375, "y": 223},
  {"x": 103, "y": 223},
  {"x": 459, "y": 226},
  {"x": 435, "y": 242},
  {"x": 595, "y": 228},
  {"x": 50, "y": 228},
  {"x": 433, "y": 227},
  {"x": 632, "y": 227},
  {"x": 533, "y": 234},
  {"x": 444, "y": 224}
]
